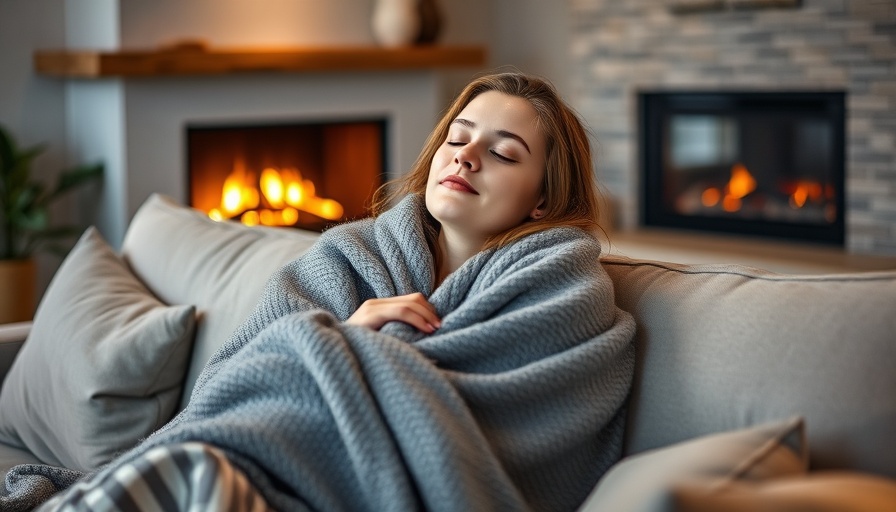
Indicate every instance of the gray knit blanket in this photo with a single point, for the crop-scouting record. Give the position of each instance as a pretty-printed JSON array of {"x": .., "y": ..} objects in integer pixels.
[{"x": 515, "y": 403}]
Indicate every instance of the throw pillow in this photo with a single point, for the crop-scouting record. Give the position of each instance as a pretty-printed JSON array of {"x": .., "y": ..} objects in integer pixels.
[
  {"x": 219, "y": 267},
  {"x": 102, "y": 366},
  {"x": 645, "y": 482}
]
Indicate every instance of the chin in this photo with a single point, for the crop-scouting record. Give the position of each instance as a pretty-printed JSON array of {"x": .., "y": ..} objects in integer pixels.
[{"x": 446, "y": 210}]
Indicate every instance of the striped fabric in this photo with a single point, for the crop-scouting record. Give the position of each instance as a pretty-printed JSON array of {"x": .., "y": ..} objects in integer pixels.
[{"x": 172, "y": 478}]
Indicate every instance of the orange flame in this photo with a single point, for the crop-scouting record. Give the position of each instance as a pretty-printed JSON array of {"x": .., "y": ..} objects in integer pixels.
[
  {"x": 804, "y": 191},
  {"x": 739, "y": 186},
  {"x": 285, "y": 193}
]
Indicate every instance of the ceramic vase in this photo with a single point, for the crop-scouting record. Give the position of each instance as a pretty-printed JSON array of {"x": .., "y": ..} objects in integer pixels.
[{"x": 396, "y": 23}]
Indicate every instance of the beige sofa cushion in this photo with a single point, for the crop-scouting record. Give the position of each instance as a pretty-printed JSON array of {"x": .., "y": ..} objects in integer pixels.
[
  {"x": 762, "y": 468},
  {"x": 647, "y": 482},
  {"x": 722, "y": 347},
  {"x": 824, "y": 491},
  {"x": 220, "y": 267}
]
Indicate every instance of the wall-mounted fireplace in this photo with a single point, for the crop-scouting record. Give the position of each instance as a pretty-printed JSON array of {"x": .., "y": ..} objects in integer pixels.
[
  {"x": 305, "y": 174},
  {"x": 752, "y": 163}
]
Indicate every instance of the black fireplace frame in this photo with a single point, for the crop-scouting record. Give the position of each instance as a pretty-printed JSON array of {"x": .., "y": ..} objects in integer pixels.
[{"x": 653, "y": 105}]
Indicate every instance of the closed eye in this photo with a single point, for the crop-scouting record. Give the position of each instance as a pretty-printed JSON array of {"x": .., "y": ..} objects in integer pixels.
[
  {"x": 503, "y": 158},
  {"x": 499, "y": 156}
]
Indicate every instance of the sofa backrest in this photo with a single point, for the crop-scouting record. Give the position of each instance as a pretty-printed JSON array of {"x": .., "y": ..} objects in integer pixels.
[
  {"x": 220, "y": 267},
  {"x": 722, "y": 347}
]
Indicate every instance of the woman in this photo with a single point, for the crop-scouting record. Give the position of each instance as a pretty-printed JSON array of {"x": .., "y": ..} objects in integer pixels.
[
  {"x": 459, "y": 351},
  {"x": 525, "y": 182}
]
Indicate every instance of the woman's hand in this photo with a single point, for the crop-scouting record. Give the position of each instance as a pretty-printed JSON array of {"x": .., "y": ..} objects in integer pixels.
[{"x": 411, "y": 309}]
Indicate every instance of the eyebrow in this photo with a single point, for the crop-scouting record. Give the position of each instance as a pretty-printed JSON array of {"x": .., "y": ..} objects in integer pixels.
[{"x": 502, "y": 133}]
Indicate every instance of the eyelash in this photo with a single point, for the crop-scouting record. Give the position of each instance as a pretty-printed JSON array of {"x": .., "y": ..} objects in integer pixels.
[
  {"x": 494, "y": 153},
  {"x": 503, "y": 158}
]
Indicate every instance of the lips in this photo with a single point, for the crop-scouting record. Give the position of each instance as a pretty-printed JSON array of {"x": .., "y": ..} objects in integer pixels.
[{"x": 455, "y": 182}]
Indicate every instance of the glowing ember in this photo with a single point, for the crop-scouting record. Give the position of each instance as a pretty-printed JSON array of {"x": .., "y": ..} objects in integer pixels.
[
  {"x": 741, "y": 182},
  {"x": 711, "y": 197},
  {"x": 802, "y": 192},
  {"x": 739, "y": 186},
  {"x": 275, "y": 199}
]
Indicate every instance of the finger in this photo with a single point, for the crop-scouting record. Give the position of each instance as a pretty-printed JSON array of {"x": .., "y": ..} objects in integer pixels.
[
  {"x": 375, "y": 313},
  {"x": 430, "y": 313},
  {"x": 414, "y": 314},
  {"x": 415, "y": 300}
]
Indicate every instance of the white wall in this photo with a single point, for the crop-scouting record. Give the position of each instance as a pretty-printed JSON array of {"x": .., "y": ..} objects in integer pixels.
[{"x": 32, "y": 108}]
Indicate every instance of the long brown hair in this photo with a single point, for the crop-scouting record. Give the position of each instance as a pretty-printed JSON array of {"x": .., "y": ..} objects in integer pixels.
[{"x": 569, "y": 187}]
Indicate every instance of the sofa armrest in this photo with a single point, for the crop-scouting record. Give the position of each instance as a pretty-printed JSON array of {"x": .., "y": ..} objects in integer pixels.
[{"x": 12, "y": 336}]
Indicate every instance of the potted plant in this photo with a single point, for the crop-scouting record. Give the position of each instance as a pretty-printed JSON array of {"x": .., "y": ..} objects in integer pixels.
[{"x": 25, "y": 223}]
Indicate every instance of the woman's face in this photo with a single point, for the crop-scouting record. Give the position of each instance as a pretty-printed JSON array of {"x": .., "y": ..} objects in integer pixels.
[{"x": 487, "y": 175}]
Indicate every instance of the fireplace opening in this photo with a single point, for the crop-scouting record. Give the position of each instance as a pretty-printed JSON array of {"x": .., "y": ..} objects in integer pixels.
[
  {"x": 308, "y": 174},
  {"x": 753, "y": 163}
]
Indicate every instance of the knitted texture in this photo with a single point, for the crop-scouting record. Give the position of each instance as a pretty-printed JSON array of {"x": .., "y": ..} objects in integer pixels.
[
  {"x": 32, "y": 484},
  {"x": 515, "y": 403}
]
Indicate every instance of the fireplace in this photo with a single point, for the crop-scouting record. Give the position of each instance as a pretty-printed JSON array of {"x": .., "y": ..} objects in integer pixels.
[
  {"x": 752, "y": 163},
  {"x": 305, "y": 174}
]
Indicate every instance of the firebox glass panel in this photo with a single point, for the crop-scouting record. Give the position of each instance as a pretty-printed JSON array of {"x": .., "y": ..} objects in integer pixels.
[
  {"x": 751, "y": 163},
  {"x": 698, "y": 141},
  {"x": 768, "y": 167}
]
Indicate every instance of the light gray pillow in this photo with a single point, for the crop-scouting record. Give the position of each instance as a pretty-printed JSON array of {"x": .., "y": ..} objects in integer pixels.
[
  {"x": 648, "y": 481},
  {"x": 220, "y": 267},
  {"x": 102, "y": 367},
  {"x": 720, "y": 347}
]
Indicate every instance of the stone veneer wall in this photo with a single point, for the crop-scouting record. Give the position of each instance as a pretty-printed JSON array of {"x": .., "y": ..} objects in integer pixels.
[{"x": 620, "y": 47}]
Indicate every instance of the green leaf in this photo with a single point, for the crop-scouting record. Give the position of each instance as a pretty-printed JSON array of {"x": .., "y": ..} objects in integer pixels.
[
  {"x": 79, "y": 175},
  {"x": 25, "y": 198},
  {"x": 20, "y": 163},
  {"x": 34, "y": 220},
  {"x": 73, "y": 178},
  {"x": 25, "y": 223}
]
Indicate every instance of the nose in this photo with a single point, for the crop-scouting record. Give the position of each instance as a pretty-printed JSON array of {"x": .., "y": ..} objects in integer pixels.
[{"x": 467, "y": 158}]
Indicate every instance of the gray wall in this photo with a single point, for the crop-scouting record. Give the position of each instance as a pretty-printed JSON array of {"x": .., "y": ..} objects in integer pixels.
[{"x": 534, "y": 36}]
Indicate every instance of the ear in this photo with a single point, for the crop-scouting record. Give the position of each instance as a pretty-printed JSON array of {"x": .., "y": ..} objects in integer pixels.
[{"x": 538, "y": 212}]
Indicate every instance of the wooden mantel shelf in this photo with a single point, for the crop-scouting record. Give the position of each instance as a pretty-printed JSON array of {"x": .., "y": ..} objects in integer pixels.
[{"x": 182, "y": 60}]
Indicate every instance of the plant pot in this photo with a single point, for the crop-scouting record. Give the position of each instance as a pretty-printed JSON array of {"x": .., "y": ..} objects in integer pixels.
[{"x": 17, "y": 290}]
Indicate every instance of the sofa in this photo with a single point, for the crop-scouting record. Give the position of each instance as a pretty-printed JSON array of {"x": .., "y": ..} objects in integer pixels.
[{"x": 752, "y": 391}]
